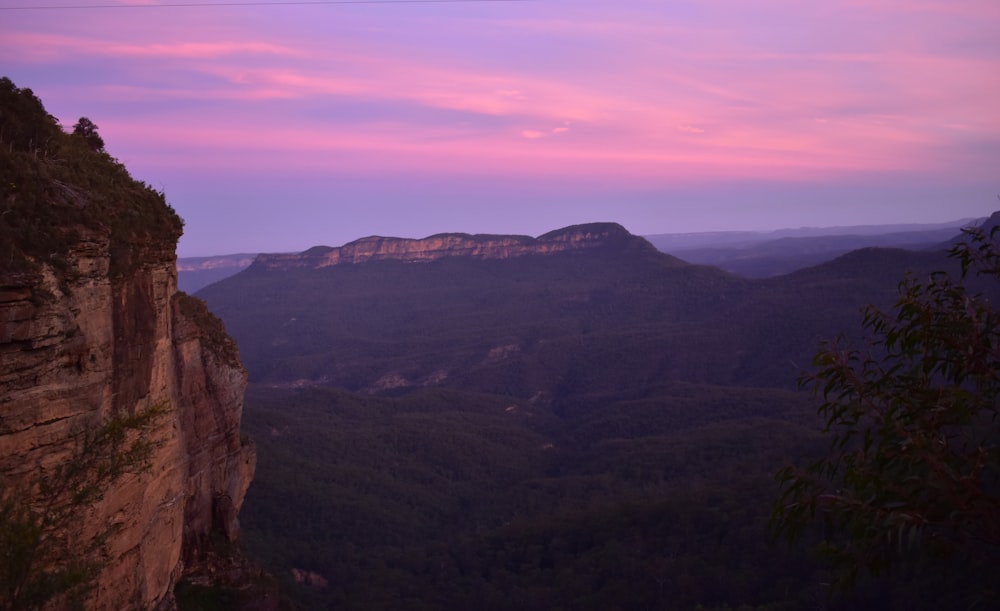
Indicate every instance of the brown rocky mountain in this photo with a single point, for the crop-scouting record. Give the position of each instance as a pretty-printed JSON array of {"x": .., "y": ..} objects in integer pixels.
[
  {"x": 93, "y": 331},
  {"x": 448, "y": 245}
]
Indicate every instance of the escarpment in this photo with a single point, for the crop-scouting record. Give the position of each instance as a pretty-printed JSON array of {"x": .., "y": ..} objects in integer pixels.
[
  {"x": 376, "y": 248},
  {"x": 94, "y": 336}
]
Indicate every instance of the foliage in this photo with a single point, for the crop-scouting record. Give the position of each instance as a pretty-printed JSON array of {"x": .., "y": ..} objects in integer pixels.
[
  {"x": 911, "y": 484},
  {"x": 444, "y": 499},
  {"x": 55, "y": 186},
  {"x": 86, "y": 129},
  {"x": 213, "y": 331},
  {"x": 574, "y": 430},
  {"x": 41, "y": 557},
  {"x": 222, "y": 576}
]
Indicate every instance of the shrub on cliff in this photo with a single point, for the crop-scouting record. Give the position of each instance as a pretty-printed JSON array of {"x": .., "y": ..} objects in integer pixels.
[
  {"x": 86, "y": 129},
  {"x": 40, "y": 558}
]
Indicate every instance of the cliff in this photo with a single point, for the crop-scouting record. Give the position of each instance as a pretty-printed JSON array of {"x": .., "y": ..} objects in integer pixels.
[
  {"x": 92, "y": 332},
  {"x": 377, "y": 248}
]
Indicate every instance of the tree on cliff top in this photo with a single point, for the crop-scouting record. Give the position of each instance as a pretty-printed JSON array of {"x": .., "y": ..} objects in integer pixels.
[
  {"x": 911, "y": 484},
  {"x": 86, "y": 129}
]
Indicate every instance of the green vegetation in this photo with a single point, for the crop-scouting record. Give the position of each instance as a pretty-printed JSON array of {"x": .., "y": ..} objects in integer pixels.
[
  {"x": 41, "y": 554},
  {"x": 591, "y": 322},
  {"x": 213, "y": 332},
  {"x": 56, "y": 191},
  {"x": 443, "y": 499},
  {"x": 86, "y": 129},
  {"x": 911, "y": 485},
  {"x": 577, "y": 430},
  {"x": 222, "y": 578},
  {"x": 55, "y": 187}
]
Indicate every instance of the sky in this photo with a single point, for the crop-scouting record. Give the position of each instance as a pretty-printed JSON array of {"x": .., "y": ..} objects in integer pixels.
[{"x": 278, "y": 127}]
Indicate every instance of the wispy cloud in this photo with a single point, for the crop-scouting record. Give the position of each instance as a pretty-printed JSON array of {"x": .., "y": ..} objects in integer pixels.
[
  {"x": 48, "y": 48},
  {"x": 638, "y": 93}
]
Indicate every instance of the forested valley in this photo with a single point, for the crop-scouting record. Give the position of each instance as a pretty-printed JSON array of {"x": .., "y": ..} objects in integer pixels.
[{"x": 587, "y": 430}]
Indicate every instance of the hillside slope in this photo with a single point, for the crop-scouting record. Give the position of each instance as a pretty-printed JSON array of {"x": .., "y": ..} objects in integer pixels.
[{"x": 601, "y": 318}]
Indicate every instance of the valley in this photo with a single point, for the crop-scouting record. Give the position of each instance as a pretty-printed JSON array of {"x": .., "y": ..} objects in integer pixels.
[{"x": 587, "y": 429}]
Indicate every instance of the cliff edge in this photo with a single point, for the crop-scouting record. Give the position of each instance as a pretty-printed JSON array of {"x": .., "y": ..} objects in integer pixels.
[{"x": 94, "y": 334}]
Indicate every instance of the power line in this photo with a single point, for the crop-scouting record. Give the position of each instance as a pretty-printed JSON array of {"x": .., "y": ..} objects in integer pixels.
[{"x": 275, "y": 3}]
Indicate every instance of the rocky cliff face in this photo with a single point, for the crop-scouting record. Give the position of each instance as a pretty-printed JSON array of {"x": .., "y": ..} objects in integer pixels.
[
  {"x": 375, "y": 248},
  {"x": 92, "y": 329},
  {"x": 75, "y": 354}
]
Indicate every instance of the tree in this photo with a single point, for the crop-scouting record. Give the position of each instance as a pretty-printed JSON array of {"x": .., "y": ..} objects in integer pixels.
[
  {"x": 910, "y": 486},
  {"x": 86, "y": 129}
]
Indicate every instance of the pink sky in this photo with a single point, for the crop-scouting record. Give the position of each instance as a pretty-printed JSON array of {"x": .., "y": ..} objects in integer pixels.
[{"x": 282, "y": 127}]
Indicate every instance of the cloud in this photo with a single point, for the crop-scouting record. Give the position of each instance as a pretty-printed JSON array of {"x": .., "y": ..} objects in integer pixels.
[
  {"x": 198, "y": 50},
  {"x": 460, "y": 97},
  {"x": 49, "y": 47},
  {"x": 534, "y": 134}
]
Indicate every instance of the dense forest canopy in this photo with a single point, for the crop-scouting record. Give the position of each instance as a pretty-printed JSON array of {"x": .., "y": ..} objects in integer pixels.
[{"x": 566, "y": 431}]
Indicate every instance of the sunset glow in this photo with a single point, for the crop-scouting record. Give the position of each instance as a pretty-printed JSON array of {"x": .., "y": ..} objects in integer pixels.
[{"x": 281, "y": 127}]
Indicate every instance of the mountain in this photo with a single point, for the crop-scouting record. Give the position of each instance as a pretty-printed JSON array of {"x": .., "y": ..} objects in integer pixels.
[
  {"x": 765, "y": 254},
  {"x": 195, "y": 273},
  {"x": 456, "y": 245},
  {"x": 490, "y": 421},
  {"x": 738, "y": 239},
  {"x": 121, "y": 458},
  {"x": 415, "y": 313},
  {"x": 747, "y": 253}
]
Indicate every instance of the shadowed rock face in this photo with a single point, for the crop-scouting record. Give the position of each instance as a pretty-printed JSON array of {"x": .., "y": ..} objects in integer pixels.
[
  {"x": 376, "y": 248},
  {"x": 79, "y": 345},
  {"x": 92, "y": 333}
]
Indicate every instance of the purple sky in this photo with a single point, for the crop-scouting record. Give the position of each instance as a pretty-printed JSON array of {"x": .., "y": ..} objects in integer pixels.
[{"x": 276, "y": 128}]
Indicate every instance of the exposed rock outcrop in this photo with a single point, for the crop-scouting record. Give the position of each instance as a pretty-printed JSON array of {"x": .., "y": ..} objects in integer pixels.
[
  {"x": 75, "y": 354},
  {"x": 93, "y": 328},
  {"x": 376, "y": 248}
]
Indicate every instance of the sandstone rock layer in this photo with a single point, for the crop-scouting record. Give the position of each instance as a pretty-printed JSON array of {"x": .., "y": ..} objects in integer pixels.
[
  {"x": 377, "y": 248},
  {"x": 82, "y": 343}
]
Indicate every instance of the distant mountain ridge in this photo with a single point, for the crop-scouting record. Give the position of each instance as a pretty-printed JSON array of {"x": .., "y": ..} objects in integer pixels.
[
  {"x": 201, "y": 264},
  {"x": 365, "y": 318},
  {"x": 439, "y": 246},
  {"x": 671, "y": 242},
  {"x": 746, "y": 253},
  {"x": 775, "y": 253},
  {"x": 195, "y": 273}
]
